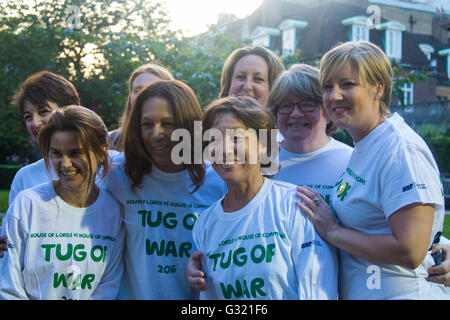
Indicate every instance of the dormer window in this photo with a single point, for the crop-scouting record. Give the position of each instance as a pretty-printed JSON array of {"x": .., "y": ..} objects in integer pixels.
[
  {"x": 393, "y": 39},
  {"x": 446, "y": 53},
  {"x": 291, "y": 35},
  {"x": 261, "y": 36},
  {"x": 358, "y": 28},
  {"x": 427, "y": 50}
]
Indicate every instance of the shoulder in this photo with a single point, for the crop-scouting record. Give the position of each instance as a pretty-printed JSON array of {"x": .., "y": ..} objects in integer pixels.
[
  {"x": 338, "y": 145},
  {"x": 29, "y": 200},
  {"x": 34, "y": 167}
]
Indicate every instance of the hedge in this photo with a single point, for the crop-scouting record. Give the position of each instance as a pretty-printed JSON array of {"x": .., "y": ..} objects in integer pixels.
[{"x": 7, "y": 172}]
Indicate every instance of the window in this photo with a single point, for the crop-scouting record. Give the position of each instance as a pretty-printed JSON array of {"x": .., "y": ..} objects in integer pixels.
[
  {"x": 288, "y": 42},
  {"x": 291, "y": 35},
  {"x": 360, "y": 33},
  {"x": 263, "y": 41},
  {"x": 261, "y": 36},
  {"x": 427, "y": 50},
  {"x": 358, "y": 28},
  {"x": 394, "y": 44},
  {"x": 408, "y": 89},
  {"x": 393, "y": 39}
]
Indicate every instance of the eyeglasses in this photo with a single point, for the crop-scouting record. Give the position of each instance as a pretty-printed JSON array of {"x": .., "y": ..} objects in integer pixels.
[{"x": 304, "y": 107}]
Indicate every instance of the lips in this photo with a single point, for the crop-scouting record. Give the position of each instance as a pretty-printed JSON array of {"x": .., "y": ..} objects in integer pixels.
[
  {"x": 298, "y": 125},
  {"x": 69, "y": 173},
  {"x": 340, "y": 110}
]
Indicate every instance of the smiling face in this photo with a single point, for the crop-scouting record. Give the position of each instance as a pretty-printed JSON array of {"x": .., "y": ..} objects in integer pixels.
[
  {"x": 75, "y": 168},
  {"x": 141, "y": 81},
  {"x": 301, "y": 127},
  {"x": 36, "y": 117},
  {"x": 234, "y": 154},
  {"x": 251, "y": 78},
  {"x": 351, "y": 104},
  {"x": 157, "y": 125}
]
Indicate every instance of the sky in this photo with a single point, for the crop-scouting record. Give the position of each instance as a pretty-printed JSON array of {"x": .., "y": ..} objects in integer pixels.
[{"x": 194, "y": 16}]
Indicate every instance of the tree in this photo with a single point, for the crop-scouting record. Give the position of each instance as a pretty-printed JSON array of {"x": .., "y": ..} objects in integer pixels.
[{"x": 94, "y": 43}]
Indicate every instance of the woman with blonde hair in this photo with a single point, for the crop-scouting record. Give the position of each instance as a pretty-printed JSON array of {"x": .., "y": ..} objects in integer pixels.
[
  {"x": 388, "y": 202},
  {"x": 66, "y": 237},
  {"x": 161, "y": 197},
  {"x": 250, "y": 71}
]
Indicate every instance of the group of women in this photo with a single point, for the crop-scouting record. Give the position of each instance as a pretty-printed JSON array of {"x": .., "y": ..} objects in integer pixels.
[{"x": 142, "y": 226}]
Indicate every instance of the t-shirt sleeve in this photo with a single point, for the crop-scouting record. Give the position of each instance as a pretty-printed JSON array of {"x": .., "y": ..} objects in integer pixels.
[
  {"x": 108, "y": 288},
  {"x": 410, "y": 175},
  {"x": 315, "y": 260},
  {"x": 12, "y": 284},
  {"x": 16, "y": 187}
]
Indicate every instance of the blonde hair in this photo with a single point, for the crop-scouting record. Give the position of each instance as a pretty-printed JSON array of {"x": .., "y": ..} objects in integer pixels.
[
  {"x": 274, "y": 64},
  {"x": 372, "y": 63}
]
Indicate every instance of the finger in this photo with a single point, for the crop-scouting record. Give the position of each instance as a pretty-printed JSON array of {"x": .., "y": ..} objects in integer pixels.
[
  {"x": 436, "y": 270},
  {"x": 437, "y": 247},
  {"x": 307, "y": 211},
  {"x": 307, "y": 201},
  {"x": 437, "y": 279},
  {"x": 311, "y": 193}
]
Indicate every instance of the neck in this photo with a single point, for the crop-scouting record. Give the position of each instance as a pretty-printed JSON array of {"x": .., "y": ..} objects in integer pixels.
[
  {"x": 307, "y": 145},
  {"x": 241, "y": 193},
  {"x": 360, "y": 133},
  {"x": 80, "y": 198}
]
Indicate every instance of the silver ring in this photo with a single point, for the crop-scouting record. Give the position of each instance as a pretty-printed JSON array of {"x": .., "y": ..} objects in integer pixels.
[{"x": 316, "y": 201}]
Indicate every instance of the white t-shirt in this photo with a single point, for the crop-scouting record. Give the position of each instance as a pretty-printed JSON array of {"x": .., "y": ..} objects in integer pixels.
[
  {"x": 319, "y": 169},
  {"x": 30, "y": 176},
  {"x": 159, "y": 218},
  {"x": 389, "y": 169},
  {"x": 56, "y": 251},
  {"x": 266, "y": 250}
]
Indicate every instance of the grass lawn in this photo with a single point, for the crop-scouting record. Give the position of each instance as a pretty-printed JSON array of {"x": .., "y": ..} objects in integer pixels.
[
  {"x": 4, "y": 194},
  {"x": 446, "y": 231}
]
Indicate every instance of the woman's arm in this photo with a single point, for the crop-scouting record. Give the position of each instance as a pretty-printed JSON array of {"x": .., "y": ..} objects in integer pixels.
[
  {"x": 406, "y": 246},
  {"x": 12, "y": 284}
]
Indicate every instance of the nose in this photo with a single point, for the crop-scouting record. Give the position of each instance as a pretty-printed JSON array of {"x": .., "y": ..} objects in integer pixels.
[
  {"x": 336, "y": 93},
  {"x": 248, "y": 84},
  {"x": 296, "y": 111},
  {"x": 36, "y": 120},
  {"x": 158, "y": 131},
  {"x": 67, "y": 162}
]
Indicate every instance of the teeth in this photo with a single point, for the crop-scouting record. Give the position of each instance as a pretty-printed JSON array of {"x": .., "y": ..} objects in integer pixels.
[
  {"x": 69, "y": 173},
  {"x": 339, "y": 109}
]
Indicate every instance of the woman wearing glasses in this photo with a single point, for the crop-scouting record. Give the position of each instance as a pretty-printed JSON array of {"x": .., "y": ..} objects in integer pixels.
[{"x": 308, "y": 155}]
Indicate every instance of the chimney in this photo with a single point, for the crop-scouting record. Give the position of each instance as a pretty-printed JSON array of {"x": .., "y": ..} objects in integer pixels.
[{"x": 439, "y": 23}]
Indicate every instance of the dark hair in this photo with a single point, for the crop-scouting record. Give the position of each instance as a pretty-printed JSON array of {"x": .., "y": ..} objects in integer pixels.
[
  {"x": 45, "y": 86},
  {"x": 89, "y": 129},
  {"x": 152, "y": 68},
  {"x": 186, "y": 111}
]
